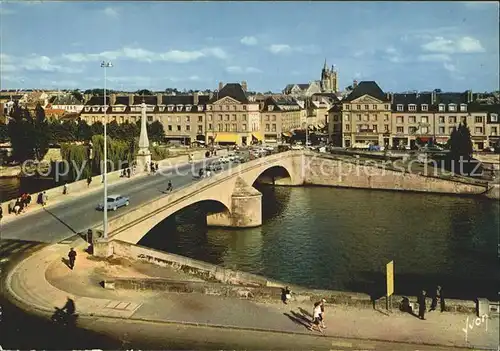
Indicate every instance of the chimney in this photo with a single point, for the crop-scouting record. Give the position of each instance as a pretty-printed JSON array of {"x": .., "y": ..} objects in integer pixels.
[
  {"x": 221, "y": 85},
  {"x": 244, "y": 86},
  {"x": 112, "y": 99},
  {"x": 131, "y": 99},
  {"x": 469, "y": 96},
  {"x": 195, "y": 98},
  {"x": 159, "y": 99},
  {"x": 354, "y": 83},
  {"x": 433, "y": 97}
]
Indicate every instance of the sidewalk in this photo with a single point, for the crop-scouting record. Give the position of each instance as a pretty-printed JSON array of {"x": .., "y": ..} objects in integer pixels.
[
  {"x": 95, "y": 186},
  {"x": 44, "y": 292}
]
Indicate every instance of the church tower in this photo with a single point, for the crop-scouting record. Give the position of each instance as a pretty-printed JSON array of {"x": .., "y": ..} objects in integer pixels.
[{"x": 329, "y": 83}]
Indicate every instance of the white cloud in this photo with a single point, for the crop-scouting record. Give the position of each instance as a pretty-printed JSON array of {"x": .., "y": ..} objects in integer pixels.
[
  {"x": 391, "y": 50},
  {"x": 33, "y": 62},
  {"x": 480, "y": 4},
  {"x": 464, "y": 45},
  {"x": 249, "y": 41},
  {"x": 449, "y": 67},
  {"x": 110, "y": 12},
  {"x": 139, "y": 54},
  {"x": 5, "y": 12},
  {"x": 238, "y": 70},
  {"x": 194, "y": 78},
  {"x": 433, "y": 58},
  {"x": 286, "y": 49}
]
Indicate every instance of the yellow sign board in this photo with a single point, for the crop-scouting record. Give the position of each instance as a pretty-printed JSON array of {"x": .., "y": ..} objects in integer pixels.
[{"x": 390, "y": 278}]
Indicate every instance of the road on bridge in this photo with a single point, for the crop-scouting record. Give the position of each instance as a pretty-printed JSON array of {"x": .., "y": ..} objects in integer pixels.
[{"x": 76, "y": 215}]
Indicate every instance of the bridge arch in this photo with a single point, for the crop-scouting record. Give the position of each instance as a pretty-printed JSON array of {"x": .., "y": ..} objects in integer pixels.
[{"x": 275, "y": 175}]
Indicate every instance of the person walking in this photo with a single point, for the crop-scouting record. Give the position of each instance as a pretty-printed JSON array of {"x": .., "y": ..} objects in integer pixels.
[
  {"x": 89, "y": 180},
  {"x": 45, "y": 198},
  {"x": 65, "y": 189},
  {"x": 438, "y": 297},
  {"x": 1, "y": 213},
  {"x": 421, "y": 305},
  {"x": 11, "y": 206},
  {"x": 28, "y": 200},
  {"x": 322, "y": 314},
  {"x": 169, "y": 187},
  {"x": 316, "y": 322},
  {"x": 72, "y": 258}
]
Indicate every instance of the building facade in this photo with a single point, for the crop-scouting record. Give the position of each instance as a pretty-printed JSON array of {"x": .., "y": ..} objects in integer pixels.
[{"x": 279, "y": 117}]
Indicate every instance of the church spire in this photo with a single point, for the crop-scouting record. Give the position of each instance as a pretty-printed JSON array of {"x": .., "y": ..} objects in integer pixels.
[{"x": 325, "y": 67}]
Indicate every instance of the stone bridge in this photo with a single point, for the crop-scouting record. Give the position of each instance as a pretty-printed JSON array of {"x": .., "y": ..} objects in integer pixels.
[{"x": 240, "y": 203}]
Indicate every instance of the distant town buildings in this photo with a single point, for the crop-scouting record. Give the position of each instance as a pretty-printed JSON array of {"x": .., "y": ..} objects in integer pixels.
[{"x": 359, "y": 116}]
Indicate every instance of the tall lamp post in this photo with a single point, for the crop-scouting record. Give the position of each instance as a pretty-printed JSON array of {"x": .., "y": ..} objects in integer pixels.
[
  {"x": 307, "y": 133},
  {"x": 105, "y": 65}
]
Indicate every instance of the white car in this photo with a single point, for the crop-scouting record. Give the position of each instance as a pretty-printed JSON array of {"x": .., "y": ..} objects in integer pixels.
[
  {"x": 297, "y": 147},
  {"x": 224, "y": 159}
]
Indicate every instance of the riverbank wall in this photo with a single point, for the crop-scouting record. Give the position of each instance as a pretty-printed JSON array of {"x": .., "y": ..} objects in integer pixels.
[
  {"x": 226, "y": 282},
  {"x": 81, "y": 185},
  {"x": 327, "y": 170}
]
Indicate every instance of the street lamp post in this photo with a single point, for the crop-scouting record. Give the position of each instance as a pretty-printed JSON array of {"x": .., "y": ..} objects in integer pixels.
[{"x": 105, "y": 65}]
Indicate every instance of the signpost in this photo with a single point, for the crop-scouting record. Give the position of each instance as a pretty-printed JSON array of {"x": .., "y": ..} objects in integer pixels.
[{"x": 390, "y": 282}]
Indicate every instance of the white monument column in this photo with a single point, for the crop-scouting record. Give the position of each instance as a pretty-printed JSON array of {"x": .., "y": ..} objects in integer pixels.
[{"x": 144, "y": 155}]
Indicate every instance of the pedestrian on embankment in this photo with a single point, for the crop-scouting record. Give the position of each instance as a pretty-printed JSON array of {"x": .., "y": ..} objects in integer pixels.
[
  {"x": 11, "y": 206},
  {"x": 316, "y": 322},
  {"x": 322, "y": 314},
  {"x": 65, "y": 189},
  {"x": 72, "y": 258},
  {"x": 422, "y": 305},
  {"x": 45, "y": 198},
  {"x": 89, "y": 180},
  {"x": 1, "y": 213},
  {"x": 438, "y": 297}
]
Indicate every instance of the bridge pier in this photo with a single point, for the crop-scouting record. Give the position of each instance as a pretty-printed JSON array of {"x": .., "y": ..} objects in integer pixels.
[{"x": 245, "y": 211}]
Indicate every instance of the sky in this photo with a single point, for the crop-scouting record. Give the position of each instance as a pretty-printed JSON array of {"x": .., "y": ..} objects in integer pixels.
[{"x": 453, "y": 46}]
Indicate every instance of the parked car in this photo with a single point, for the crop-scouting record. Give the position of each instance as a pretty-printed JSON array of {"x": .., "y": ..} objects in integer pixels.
[
  {"x": 214, "y": 166},
  {"x": 115, "y": 202},
  {"x": 224, "y": 159}
]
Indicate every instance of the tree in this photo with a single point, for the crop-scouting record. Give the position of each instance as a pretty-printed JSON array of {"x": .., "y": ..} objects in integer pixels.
[
  {"x": 77, "y": 95},
  {"x": 83, "y": 131},
  {"x": 42, "y": 133},
  {"x": 66, "y": 131},
  {"x": 156, "y": 131},
  {"x": 461, "y": 143},
  {"x": 97, "y": 128},
  {"x": 21, "y": 134},
  {"x": 144, "y": 92}
]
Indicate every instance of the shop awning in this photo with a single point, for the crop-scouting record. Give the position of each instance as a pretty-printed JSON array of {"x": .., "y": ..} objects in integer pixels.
[
  {"x": 258, "y": 136},
  {"x": 226, "y": 138},
  {"x": 287, "y": 134}
]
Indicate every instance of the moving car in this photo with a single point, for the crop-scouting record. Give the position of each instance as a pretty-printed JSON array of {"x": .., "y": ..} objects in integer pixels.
[
  {"x": 224, "y": 159},
  {"x": 115, "y": 202}
]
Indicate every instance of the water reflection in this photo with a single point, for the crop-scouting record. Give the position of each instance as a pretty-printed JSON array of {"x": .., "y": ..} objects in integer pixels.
[{"x": 342, "y": 238}]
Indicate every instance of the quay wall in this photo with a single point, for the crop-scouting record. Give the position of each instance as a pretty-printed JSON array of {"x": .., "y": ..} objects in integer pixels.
[{"x": 221, "y": 281}]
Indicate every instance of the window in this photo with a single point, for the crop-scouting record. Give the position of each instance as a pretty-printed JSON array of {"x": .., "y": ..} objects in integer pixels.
[
  {"x": 451, "y": 129},
  {"x": 374, "y": 118},
  {"x": 424, "y": 107},
  {"x": 244, "y": 107},
  {"x": 400, "y": 107},
  {"x": 335, "y": 118},
  {"x": 399, "y": 130},
  {"x": 178, "y": 119},
  {"x": 479, "y": 130},
  {"x": 463, "y": 119},
  {"x": 386, "y": 117},
  {"x": 188, "y": 119},
  {"x": 386, "y": 107},
  {"x": 226, "y": 127},
  {"x": 452, "y": 107},
  {"x": 347, "y": 127},
  {"x": 178, "y": 128},
  {"x": 179, "y": 108},
  {"x": 479, "y": 119},
  {"x": 233, "y": 127},
  {"x": 244, "y": 117},
  {"x": 150, "y": 118},
  {"x": 169, "y": 127},
  {"x": 441, "y": 130},
  {"x": 452, "y": 120},
  {"x": 273, "y": 118},
  {"x": 209, "y": 107},
  {"x": 412, "y": 107},
  {"x": 399, "y": 119},
  {"x": 374, "y": 107},
  {"x": 200, "y": 118},
  {"x": 188, "y": 108},
  {"x": 494, "y": 117},
  {"x": 347, "y": 118},
  {"x": 463, "y": 107},
  {"x": 493, "y": 130},
  {"x": 188, "y": 128},
  {"x": 266, "y": 118},
  {"x": 170, "y": 108},
  {"x": 210, "y": 126},
  {"x": 200, "y": 108},
  {"x": 424, "y": 130},
  {"x": 366, "y": 118},
  {"x": 233, "y": 117},
  {"x": 367, "y": 107},
  {"x": 424, "y": 119},
  {"x": 386, "y": 127},
  {"x": 267, "y": 127},
  {"x": 244, "y": 127},
  {"x": 441, "y": 119},
  {"x": 412, "y": 130},
  {"x": 273, "y": 127},
  {"x": 358, "y": 107},
  {"x": 358, "y": 117},
  {"x": 374, "y": 128},
  {"x": 412, "y": 119},
  {"x": 270, "y": 108},
  {"x": 200, "y": 129},
  {"x": 347, "y": 107},
  {"x": 220, "y": 117},
  {"x": 219, "y": 127},
  {"x": 441, "y": 107}
]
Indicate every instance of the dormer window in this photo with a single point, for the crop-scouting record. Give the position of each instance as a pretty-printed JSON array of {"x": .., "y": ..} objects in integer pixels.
[
  {"x": 209, "y": 108},
  {"x": 95, "y": 108},
  {"x": 170, "y": 108},
  {"x": 441, "y": 107},
  {"x": 87, "y": 109},
  {"x": 452, "y": 107},
  {"x": 424, "y": 107},
  {"x": 200, "y": 108},
  {"x": 179, "y": 108},
  {"x": 270, "y": 108},
  {"x": 161, "y": 108},
  {"x": 188, "y": 108},
  {"x": 494, "y": 117},
  {"x": 399, "y": 107},
  {"x": 463, "y": 107},
  {"x": 412, "y": 107}
]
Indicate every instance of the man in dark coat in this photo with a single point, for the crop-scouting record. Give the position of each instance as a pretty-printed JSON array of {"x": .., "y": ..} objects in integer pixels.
[
  {"x": 72, "y": 258},
  {"x": 438, "y": 296},
  {"x": 421, "y": 305}
]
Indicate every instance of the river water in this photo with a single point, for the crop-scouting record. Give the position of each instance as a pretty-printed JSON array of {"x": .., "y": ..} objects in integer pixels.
[
  {"x": 11, "y": 188},
  {"x": 341, "y": 239}
]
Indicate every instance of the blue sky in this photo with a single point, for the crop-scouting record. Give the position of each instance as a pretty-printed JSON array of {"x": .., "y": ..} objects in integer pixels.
[{"x": 155, "y": 45}]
